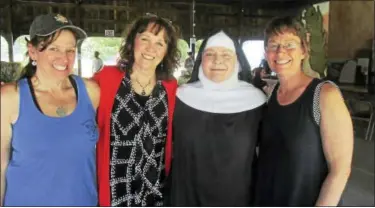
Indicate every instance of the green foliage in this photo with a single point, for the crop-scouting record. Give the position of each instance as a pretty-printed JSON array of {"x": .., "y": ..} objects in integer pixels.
[
  {"x": 9, "y": 71},
  {"x": 107, "y": 47},
  {"x": 184, "y": 78},
  {"x": 184, "y": 49},
  {"x": 314, "y": 25}
]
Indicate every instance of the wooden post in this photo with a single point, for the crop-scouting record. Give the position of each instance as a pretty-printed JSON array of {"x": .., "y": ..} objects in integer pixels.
[
  {"x": 240, "y": 21},
  {"x": 9, "y": 33},
  {"x": 115, "y": 16},
  {"x": 79, "y": 56},
  {"x": 79, "y": 44},
  {"x": 192, "y": 28}
]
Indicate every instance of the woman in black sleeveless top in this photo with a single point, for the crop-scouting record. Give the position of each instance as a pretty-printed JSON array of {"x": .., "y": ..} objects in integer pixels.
[{"x": 306, "y": 144}]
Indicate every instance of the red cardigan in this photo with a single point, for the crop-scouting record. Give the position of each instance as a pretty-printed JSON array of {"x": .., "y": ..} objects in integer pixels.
[{"x": 109, "y": 79}]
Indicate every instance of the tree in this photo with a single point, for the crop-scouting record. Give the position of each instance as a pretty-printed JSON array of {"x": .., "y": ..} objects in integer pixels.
[
  {"x": 184, "y": 48},
  {"x": 107, "y": 47}
]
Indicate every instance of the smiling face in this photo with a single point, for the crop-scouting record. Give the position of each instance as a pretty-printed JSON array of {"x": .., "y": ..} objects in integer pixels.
[
  {"x": 218, "y": 63},
  {"x": 57, "y": 59},
  {"x": 149, "y": 48},
  {"x": 285, "y": 53}
]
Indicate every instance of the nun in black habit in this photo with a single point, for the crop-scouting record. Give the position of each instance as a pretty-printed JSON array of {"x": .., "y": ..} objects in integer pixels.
[{"x": 215, "y": 127}]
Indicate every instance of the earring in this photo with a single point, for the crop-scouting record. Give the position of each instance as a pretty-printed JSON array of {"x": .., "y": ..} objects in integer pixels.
[
  {"x": 162, "y": 66},
  {"x": 33, "y": 63}
]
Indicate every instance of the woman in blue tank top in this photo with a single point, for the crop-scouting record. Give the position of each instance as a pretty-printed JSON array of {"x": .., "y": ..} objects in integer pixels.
[{"x": 48, "y": 128}]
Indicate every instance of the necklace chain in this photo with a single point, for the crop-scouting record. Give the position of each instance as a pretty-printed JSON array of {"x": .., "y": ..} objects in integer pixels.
[{"x": 143, "y": 87}]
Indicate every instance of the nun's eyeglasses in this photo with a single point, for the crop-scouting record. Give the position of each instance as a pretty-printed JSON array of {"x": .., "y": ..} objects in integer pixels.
[{"x": 154, "y": 15}]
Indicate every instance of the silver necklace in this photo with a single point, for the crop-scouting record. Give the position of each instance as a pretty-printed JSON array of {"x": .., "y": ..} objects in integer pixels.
[{"x": 143, "y": 93}]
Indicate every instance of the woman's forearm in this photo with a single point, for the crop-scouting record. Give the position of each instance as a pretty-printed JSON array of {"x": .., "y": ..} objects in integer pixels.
[
  {"x": 2, "y": 186},
  {"x": 332, "y": 189}
]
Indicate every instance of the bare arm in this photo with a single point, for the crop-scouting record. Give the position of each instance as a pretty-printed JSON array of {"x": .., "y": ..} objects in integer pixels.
[
  {"x": 93, "y": 91},
  {"x": 9, "y": 113},
  {"x": 337, "y": 138}
]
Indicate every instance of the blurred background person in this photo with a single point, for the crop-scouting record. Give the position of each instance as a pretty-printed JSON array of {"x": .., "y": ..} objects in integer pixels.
[{"x": 97, "y": 63}]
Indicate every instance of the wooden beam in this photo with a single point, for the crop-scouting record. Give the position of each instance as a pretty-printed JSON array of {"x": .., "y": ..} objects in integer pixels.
[
  {"x": 79, "y": 24},
  {"x": 10, "y": 28},
  {"x": 105, "y": 21},
  {"x": 240, "y": 20},
  {"x": 196, "y": 4},
  {"x": 236, "y": 15},
  {"x": 73, "y": 5}
]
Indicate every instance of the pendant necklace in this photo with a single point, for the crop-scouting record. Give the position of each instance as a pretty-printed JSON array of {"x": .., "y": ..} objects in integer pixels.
[
  {"x": 143, "y": 93},
  {"x": 60, "y": 111}
]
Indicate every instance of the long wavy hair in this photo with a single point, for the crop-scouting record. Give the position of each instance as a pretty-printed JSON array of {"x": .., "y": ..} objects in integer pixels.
[
  {"x": 41, "y": 43},
  {"x": 170, "y": 62}
]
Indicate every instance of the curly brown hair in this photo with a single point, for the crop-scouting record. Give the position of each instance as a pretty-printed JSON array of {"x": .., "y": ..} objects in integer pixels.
[
  {"x": 170, "y": 62},
  {"x": 279, "y": 25}
]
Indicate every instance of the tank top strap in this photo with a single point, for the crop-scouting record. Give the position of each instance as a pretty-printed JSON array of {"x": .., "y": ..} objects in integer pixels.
[
  {"x": 84, "y": 101},
  {"x": 316, "y": 99},
  {"x": 26, "y": 103}
]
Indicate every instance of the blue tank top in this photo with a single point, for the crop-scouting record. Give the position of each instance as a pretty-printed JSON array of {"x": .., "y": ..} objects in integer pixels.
[{"x": 52, "y": 159}]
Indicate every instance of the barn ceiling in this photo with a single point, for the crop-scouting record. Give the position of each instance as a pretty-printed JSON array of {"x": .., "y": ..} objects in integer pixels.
[{"x": 244, "y": 17}]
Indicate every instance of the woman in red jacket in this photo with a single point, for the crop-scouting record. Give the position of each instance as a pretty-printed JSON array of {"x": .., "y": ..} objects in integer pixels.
[{"x": 135, "y": 116}]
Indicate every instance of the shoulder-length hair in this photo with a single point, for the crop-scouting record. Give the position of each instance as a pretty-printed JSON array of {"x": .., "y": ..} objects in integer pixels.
[{"x": 170, "y": 62}]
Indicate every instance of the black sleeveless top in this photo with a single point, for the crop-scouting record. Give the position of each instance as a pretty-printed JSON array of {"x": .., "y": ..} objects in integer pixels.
[{"x": 291, "y": 167}]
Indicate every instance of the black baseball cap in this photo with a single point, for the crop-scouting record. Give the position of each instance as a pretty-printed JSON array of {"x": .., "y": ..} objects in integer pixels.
[{"x": 46, "y": 24}]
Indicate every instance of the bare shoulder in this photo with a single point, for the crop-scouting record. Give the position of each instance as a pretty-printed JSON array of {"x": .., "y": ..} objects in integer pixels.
[
  {"x": 332, "y": 101},
  {"x": 330, "y": 93},
  {"x": 93, "y": 90},
  {"x": 10, "y": 100},
  {"x": 9, "y": 92}
]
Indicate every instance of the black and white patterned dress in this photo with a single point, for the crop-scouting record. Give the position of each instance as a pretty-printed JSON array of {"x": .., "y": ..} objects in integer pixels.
[{"x": 138, "y": 135}]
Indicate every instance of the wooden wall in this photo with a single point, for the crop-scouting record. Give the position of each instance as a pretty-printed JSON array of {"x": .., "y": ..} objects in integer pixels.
[{"x": 351, "y": 28}]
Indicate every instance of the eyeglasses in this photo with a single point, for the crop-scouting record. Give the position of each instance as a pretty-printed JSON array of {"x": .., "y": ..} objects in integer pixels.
[
  {"x": 154, "y": 15},
  {"x": 287, "y": 46}
]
